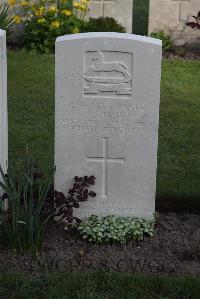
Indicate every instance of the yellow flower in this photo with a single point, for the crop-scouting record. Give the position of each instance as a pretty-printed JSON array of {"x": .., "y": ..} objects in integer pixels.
[
  {"x": 75, "y": 30},
  {"x": 12, "y": 2},
  {"x": 76, "y": 5},
  {"x": 67, "y": 12},
  {"x": 41, "y": 21},
  {"x": 55, "y": 24},
  {"x": 33, "y": 7},
  {"x": 24, "y": 3},
  {"x": 85, "y": 1},
  {"x": 39, "y": 11},
  {"x": 82, "y": 6},
  {"x": 17, "y": 19},
  {"x": 52, "y": 8}
]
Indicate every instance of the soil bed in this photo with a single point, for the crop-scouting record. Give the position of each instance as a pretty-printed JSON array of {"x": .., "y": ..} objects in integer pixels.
[
  {"x": 186, "y": 55},
  {"x": 174, "y": 250}
]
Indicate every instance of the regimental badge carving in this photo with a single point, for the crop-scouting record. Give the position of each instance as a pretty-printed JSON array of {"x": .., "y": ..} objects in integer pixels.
[{"x": 108, "y": 73}]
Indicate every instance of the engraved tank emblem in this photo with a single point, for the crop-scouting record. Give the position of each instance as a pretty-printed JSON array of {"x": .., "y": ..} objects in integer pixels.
[{"x": 107, "y": 76}]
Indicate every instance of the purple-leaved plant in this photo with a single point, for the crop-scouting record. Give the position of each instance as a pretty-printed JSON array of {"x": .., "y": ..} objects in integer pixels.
[
  {"x": 196, "y": 24},
  {"x": 64, "y": 204}
]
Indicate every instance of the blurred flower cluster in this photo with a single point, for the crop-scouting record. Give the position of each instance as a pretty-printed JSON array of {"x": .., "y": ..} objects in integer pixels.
[{"x": 44, "y": 20}]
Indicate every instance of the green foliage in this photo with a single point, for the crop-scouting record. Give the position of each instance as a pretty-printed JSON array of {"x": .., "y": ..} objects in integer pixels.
[
  {"x": 166, "y": 40},
  {"x": 41, "y": 38},
  {"x": 23, "y": 201},
  {"x": 6, "y": 21},
  {"x": 115, "y": 228},
  {"x": 102, "y": 24}
]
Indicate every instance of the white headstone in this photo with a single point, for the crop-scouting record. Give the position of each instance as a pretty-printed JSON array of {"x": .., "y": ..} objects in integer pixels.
[
  {"x": 171, "y": 16},
  {"x": 120, "y": 10},
  {"x": 3, "y": 103},
  {"x": 107, "y": 114}
]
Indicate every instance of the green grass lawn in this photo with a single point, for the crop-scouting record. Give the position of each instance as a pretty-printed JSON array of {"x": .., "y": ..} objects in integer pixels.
[
  {"x": 31, "y": 120},
  {"x": 98, "y": 286},
  {"x": 31, "y": 107},
  {"x": 179, "y": 143}
]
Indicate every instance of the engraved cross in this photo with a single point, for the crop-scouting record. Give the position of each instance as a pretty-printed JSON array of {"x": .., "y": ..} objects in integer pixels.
[
  {"x": 180, "y": 3},
  {"x": 103, "y": 2},
  {"x": 105, "y": 160}
]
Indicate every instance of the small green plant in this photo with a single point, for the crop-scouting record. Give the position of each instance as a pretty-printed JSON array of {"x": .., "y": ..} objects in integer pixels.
[
  {"x": 115, "y": 228},
  {"x": 166, "y": 40},
  {"x": 6, "y": 21},
  {"x": 102, "y": 24},
  {"x": 21, "y": 207}
]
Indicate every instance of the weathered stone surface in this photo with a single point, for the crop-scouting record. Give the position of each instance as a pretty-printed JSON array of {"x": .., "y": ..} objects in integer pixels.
[
  {"x": 122, "y": 11},
  {"x": 3, "y": 103},
  {"x": 107, "y": 114},
  {"x": 171, "y": 16}
]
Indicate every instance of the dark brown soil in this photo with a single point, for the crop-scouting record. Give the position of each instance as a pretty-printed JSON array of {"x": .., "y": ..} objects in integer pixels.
[
  {"x": 183, "y": 54},
  {"x": 174, "y": 250}
]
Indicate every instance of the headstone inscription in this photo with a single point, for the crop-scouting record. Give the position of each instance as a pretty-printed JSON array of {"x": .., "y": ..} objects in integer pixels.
[
  {"x": 3, "y": 103},
  {"x": 106, "y": 119}
]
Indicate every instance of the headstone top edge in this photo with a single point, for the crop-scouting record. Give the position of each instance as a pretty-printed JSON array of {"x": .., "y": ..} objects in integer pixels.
[
  {"x": 2, "y": 32},
  {"x": 127, "y": 36}
]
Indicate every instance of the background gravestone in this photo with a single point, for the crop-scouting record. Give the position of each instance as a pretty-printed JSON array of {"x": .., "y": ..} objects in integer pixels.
[
  {"x": 3, "y": 103},
  {"x": 171, "y": 15},
  {"x": 107, "y": 113},
  {"x": 122, "y": 11}
]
